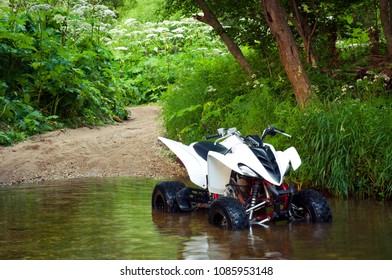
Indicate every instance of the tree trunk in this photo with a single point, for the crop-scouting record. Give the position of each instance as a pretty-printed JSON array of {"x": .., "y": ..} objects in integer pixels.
[
  {"x": 288, "y": 50},
  {"x": 333, "y": 51},
  {"x": 305, "y": 31},
  {"x": 386, "y": 21},
  {"x": 210, "y": 19}
]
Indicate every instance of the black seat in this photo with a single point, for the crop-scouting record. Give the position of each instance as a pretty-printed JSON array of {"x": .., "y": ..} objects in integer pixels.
[{"x": 202, "y": 148}]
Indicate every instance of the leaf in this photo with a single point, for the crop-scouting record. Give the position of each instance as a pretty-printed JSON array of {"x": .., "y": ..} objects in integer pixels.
[{"x": 186, "y": 110}]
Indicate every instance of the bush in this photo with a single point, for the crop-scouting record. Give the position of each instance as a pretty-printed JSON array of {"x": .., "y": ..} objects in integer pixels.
[
  {"x": 55, "y": 69},
  {"x": 346, "y": 148},
  {"x": 197, "y": 103}
]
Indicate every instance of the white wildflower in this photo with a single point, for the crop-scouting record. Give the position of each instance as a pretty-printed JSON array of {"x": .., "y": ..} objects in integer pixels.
[
  {"x": 210, "y": 89},
  {"x": 152, "y": 35},
  {"x": 162, "y": 29},
  {"x": 118, "y": 32},
  {"x": 136, "y": 32},
  {"x": 40, "y": 7},
  {"x": 107, "y": 13},
  {"x": 385, "y": 77},
  {"x": 59, "y": 18},
  {"x": 131, "y": 21},
  {"x": 178, "y": 30}
]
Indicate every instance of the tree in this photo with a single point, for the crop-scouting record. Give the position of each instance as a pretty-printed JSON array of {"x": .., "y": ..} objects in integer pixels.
[
  {"x": 303, "y": 28},
  {"x": 288, "y": 50},
  {"x": 210, "y": 19},
  {"x": 386, "y": 21}
]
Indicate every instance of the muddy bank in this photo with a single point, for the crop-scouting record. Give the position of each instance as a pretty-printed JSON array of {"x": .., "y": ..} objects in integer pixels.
[{"x": 129, "y": 148}]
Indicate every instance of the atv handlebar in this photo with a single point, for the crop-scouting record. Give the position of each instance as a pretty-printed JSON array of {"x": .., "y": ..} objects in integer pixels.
[
  {"x": 253, "y": 140},
  {"x": 223, "y": 132},
  {"x": 282, "y": 132},
  {"x": 271, "y": 130},
  {"x": 213, "y": 136}
]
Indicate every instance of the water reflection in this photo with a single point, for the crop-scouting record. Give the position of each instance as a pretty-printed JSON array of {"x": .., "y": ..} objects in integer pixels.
[
  {"x": 112, "y": 219},
  {"x": 202, "y": 241}
]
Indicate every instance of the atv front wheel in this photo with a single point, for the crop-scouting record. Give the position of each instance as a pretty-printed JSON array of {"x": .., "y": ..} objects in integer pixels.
[
  {"x": 228, "y": 213},
  {"x": 164, "y": 196},
  {"x": 311, "y": 206}
]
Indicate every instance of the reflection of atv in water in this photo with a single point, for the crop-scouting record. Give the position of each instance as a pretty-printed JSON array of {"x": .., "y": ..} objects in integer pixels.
[
  {"x": 241, "y": 181},
  {"x": 196, "y": 240}
]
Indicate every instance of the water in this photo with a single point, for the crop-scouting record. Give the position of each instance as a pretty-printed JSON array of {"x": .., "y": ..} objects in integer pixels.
[{"x": 111, "y": 218}]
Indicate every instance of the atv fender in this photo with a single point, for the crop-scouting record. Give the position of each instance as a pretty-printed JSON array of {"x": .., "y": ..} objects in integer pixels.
[
  {"x": 195, "y": 165},
  {"x": 219, "y": 172},
  {"x": 291, "y": 156}
]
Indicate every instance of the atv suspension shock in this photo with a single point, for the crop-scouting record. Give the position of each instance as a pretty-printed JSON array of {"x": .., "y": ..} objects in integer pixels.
[
  {"x": 255, "y": 191},
  {"x": 256, "y": 203}
]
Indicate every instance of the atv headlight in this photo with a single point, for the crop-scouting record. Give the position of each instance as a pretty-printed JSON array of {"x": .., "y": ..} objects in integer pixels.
[{"x": 247, "y": 171}]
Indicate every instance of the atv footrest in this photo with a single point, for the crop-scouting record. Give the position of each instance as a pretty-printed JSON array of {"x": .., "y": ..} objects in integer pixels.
[{"x": 188, "y": 198}]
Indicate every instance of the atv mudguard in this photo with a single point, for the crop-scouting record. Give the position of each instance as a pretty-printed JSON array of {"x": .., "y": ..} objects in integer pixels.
[{"x": 194, "y": 164}]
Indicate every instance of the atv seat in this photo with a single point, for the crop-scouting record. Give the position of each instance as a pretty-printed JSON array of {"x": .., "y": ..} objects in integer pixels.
[{"x": 202, "y": 148}]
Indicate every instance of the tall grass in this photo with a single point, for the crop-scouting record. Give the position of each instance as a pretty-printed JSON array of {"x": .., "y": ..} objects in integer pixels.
[{"x": 347, "y": 148}]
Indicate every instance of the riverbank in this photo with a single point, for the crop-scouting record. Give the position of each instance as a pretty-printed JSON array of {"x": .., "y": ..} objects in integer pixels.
[{"x": 129, "y": 148}]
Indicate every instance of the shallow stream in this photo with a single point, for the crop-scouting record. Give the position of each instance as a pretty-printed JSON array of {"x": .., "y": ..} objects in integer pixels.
[{"x": 111, "y": 218}]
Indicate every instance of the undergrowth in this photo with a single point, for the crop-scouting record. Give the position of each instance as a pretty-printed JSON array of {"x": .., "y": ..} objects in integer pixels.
[{"x": 344, "y": 143}]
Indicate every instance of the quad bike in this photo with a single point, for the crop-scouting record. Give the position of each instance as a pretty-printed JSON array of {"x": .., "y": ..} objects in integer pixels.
[{"x": 241, "y": 182}]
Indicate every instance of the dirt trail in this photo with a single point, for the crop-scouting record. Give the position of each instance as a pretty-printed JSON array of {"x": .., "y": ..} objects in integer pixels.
[{"x": 129, "y": 148}]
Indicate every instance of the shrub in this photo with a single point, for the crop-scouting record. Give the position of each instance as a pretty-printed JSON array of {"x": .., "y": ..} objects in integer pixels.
[{"x": 346, "y": 148}]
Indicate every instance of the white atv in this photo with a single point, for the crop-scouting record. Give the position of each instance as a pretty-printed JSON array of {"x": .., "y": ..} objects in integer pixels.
[{"x": 241, "y": 181}]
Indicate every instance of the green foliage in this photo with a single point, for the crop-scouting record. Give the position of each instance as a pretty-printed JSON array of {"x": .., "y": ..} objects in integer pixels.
[
  {"x": 71, "y": 63},
  {"x": 145, "y": 10},
  {"x": 151, "y": 55},
  {"x": 194, "y": 105},
  {"x": 54, "y": 68},
  {"x": 346, "y": 147},
  {"x": 344, "y": 142},
  {"x": 25, "y": 121}
]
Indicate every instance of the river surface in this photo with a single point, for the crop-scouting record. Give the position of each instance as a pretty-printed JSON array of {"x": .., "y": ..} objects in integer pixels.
[{"x": 111, "y": 218}]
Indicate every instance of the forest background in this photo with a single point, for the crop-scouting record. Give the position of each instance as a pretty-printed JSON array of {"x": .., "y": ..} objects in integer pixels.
[{"x": 69, "y": 63}]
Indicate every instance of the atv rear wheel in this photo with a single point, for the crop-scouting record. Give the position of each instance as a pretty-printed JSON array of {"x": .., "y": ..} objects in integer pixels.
[
  {"x": 164, "y": 196},
  {"x": 311, "y": 206},
  {"x": 228, "y": 213}
]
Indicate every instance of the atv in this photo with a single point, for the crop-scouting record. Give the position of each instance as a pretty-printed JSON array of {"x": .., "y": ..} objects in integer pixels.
[{"x": 241, "y": 181}]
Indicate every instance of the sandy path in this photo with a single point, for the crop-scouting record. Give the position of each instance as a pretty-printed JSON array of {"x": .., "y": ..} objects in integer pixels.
[{"x": 130, "y": 148}]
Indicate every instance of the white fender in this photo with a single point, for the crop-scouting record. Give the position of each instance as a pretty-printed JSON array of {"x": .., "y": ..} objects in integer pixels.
[
  {"x": 195, "y": 165},
  {"x": 291, "y": 154},
  {"x": 219, "y": 171}
]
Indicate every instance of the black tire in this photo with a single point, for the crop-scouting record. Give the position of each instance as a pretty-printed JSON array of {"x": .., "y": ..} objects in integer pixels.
[
  {"x": 164, "y": 196},
  {"x": 228, "y": 213},
  {"x": 311, "y": 206}
]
